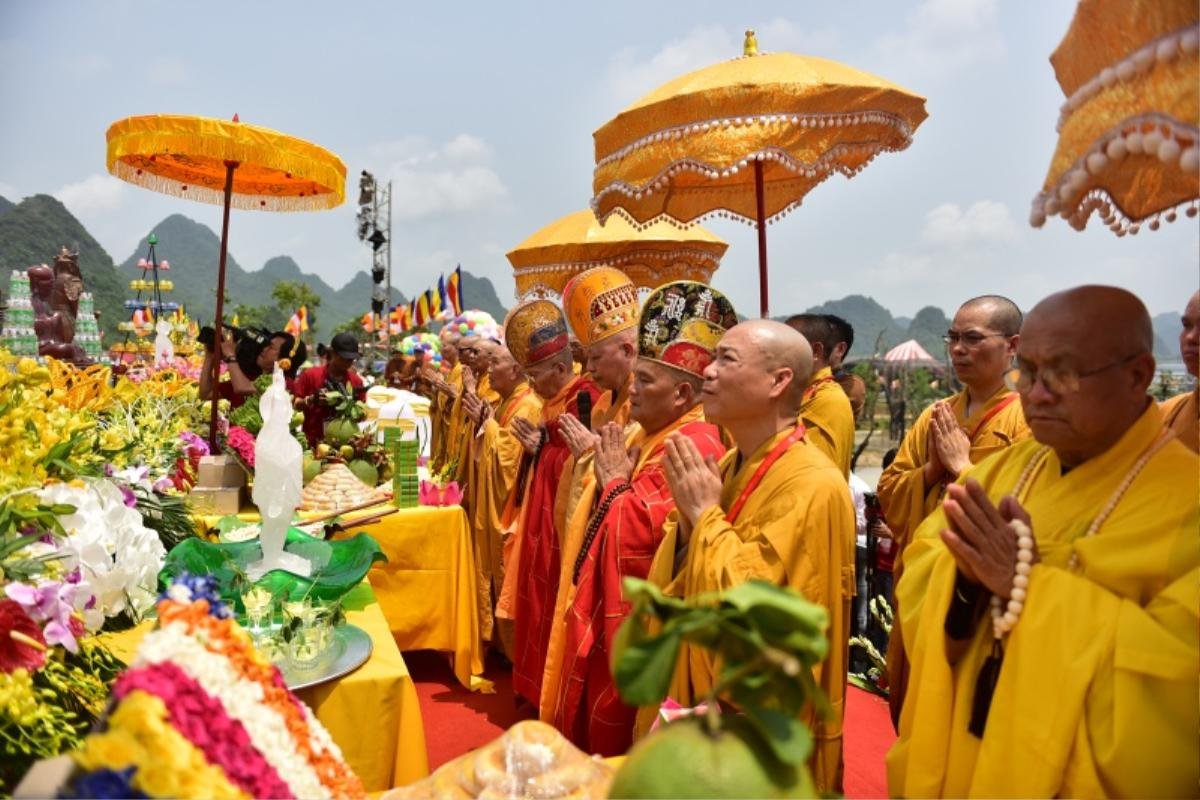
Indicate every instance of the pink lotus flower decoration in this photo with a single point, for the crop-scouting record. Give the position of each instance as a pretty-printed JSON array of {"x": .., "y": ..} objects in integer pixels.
[{"x": 431, "y": 494}]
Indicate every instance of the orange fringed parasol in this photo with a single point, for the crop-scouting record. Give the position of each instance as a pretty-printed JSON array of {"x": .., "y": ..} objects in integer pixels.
[
  {"x": 746, "y": 139},
  {"x": 652, "y": 256},
  {"x": 1130, "y": 126},
  {"x": 229, "y": 164}
]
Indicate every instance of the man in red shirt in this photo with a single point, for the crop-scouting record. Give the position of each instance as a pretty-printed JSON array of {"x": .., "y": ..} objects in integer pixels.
[{"x": 337, "y": 375}]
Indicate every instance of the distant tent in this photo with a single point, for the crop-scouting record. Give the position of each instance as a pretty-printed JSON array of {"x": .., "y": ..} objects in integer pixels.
[{"x": 909, "y": 352}]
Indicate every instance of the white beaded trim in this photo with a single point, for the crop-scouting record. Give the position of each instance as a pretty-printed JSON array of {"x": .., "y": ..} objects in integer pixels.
[
  {"x": 1174, "y": 143},
  {"x": 813, "y": 120},
  {"x": 1163, "y": 50},
  {"x": 816, "y": 171}
]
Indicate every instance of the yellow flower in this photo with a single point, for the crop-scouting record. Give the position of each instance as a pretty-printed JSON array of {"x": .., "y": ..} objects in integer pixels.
[
  {"x": 115, "y": 749},
  {"x": 158, "y": 780}
]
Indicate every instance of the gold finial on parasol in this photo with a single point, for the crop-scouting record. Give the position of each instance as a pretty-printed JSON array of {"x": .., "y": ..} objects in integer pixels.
[{"x": 750, "y": 46}]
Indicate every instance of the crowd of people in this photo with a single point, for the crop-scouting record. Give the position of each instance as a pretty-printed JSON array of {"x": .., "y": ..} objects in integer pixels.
[{"x": 1042, "y": 522}]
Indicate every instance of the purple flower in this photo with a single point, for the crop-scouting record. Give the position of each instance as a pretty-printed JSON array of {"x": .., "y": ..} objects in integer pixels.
[{"x": 52, "y": 605}]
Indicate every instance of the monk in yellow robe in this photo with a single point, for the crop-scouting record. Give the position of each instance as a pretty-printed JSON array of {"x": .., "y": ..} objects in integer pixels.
[
  {"x": 854, "y": 386},
  {"x": 1182, "y": 412},
  {"x": 776, "y": 509},
  {"x": 1090, "y": 686},
  {"x": 446, "y": 387},
  {"x": 497, "y": 456},
  {"x": 950, "y": 436},
  {"x": 478, "y": 355},
  {"x": 826, "y": 411},
  {"x": 617, "y": 525}
]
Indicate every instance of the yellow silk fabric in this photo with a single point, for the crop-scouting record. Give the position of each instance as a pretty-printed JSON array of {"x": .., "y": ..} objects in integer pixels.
[
  {"x": 427, "y": 586},
  {"x": 498, "y": 457},
  {"x": 795, "y": 530},
  {"x": 778, "y": 84},
  {"x": 1101, "y": 35},
  {"x": 185, "y": 156},
  {"x": 379, "y": 696},
  {"x": 905, "y": 498},
  {"x": 1097, "y": 695},
  {"x": 1182, "y": 415},
  {"x": 661, "y": 253},
  {"x": 829, "y": 420}
]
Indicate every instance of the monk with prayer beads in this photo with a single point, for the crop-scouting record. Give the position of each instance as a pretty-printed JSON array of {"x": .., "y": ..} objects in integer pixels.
[
  {"x": 776, "y": 509},
  {"x": 1051, "y": 602}
]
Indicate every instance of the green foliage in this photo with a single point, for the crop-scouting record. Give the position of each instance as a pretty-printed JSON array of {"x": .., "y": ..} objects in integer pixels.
[
  {"x": 249, "y": 316},
  {"x": 923, "y": 389},
  {"x": 767, "y": 640}
]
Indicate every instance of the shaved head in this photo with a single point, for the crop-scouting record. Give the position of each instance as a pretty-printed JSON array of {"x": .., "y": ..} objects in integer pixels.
[
  {"x": 1002, "y": 313},
  {"x": 781, "y": 346},
  {"x": 1086, "y": 355},
  {"x": 761, "y": 370}
]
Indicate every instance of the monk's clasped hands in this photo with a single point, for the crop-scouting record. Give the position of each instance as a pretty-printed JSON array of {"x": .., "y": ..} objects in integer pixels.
[
  {"x": 980, "y": 538},
  {"x": 613, "y": 461},
  {"x": 695, "y": 481}
]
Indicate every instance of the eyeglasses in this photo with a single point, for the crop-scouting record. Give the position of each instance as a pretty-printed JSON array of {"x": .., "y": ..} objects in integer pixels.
[
  {"x": 969, "y": 339},
  {"x": 1056, "y": 380}
]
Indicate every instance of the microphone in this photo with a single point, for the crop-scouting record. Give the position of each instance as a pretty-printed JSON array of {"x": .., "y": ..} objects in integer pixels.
[{"x": 584, "y": 401}]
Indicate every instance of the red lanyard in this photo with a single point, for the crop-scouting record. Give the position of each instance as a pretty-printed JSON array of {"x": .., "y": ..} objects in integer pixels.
[
  {"x": 812, "y": 388},
  {"x": 776, "y": 453},
  {"x": 996, "y": 409}
]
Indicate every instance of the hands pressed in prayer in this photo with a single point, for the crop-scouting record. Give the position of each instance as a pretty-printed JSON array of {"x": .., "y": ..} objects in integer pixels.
[
  {"x": 979, "y": 537},
  {"x": 578, "y": 438},
  {"x": 695, "y": 481},
  {"x": 950, "y": 442},
  {"x": 613, "y": 461},
  {"x": 473, "y": 407},
  {"x": 468, "y": 379},
  {"x": 528, "y": 434}
]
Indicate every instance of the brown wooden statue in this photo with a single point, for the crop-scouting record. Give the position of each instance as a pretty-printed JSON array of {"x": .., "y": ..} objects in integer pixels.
[{"x": 55, "y": 299}]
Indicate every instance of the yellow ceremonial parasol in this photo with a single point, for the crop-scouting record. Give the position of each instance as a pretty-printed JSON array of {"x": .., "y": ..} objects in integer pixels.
[
  {"x": 1130, "y": 126},
  {"x": 748, "y": 139},
  {"x": 226, "y": 163},
  {"x": 652, "y": 256}
]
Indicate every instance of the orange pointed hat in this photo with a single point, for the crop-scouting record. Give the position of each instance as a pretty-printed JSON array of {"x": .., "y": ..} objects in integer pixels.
[
  {"x": 600, "y": 302},
  {"x": 681, "y": 323},
  {"x": 535, "y": 331}
]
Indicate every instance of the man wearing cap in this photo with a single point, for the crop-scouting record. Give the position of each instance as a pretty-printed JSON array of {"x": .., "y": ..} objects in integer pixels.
[
  {"x": 536, "y": 334},
  {"x": 497, "y": 457},
  {"x": 619, "y": 520},
  {"x": 775, "y": 509},
  {"x": 337, "y": 375}
]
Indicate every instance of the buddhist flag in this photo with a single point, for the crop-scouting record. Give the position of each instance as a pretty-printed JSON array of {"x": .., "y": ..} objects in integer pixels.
[
  {"x": 368, "y": 322},
  {"x": 437, "y": 299},
  {"x": 423, "y": 312},
  {"x": 298, "y": 324},
  {"x": 453, "y": 290}
]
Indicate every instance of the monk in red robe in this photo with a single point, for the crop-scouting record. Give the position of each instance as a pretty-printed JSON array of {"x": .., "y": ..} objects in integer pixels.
[
  {"x": 678, "y": 329},
  {"x": 536, "y": 334}
]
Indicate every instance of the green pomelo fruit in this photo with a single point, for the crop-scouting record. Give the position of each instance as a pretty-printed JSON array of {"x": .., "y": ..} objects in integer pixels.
[
  {"x": 365, "y": 471},
  {"x": 340, "y": 431},
  {"x": 311, "y": 469},
  {"x": 683, "y": 760}
]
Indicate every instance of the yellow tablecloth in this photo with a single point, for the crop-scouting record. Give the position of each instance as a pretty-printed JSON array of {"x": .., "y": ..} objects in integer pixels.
[
  {"x": 427, "y": 586},
  {"x": 372, "y": 713}
]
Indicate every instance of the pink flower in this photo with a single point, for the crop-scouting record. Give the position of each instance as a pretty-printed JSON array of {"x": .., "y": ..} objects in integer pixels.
[{"x": 52, "y": 604}]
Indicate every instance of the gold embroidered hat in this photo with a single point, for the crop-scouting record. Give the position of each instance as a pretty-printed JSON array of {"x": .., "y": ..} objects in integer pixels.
[
  {"x": 535, "y": 331},
  {"x": 598, "y": 303},
  {"x": 681, "y": 323}
]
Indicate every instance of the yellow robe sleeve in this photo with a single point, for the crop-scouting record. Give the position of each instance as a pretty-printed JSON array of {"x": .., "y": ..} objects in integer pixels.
[
  {"x": 829, "y": 421},
  {"x": 902, "y": 490}
]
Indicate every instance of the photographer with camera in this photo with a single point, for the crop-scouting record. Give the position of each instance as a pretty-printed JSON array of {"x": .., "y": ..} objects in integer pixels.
[{"x": 247, "y": 353}]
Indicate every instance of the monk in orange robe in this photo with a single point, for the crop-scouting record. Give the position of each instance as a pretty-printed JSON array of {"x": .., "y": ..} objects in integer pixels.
[
  {"x": 1181, "y": 413},
  {"x": 620, "y": 520},
  {"x": 536, "y": 334},
  {"x": 951, "y": 436}
]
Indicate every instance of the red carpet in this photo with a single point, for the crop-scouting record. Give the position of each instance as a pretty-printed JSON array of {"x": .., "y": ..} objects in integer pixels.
[{"x": 457, "y": 720}]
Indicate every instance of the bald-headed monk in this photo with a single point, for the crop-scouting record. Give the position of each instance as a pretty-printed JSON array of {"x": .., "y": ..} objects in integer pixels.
[
  {"x": 950, "y": 436},
  {"x": 826, "y": 411},
  {"x": 496, "y": 458},
  {"x": 1182, "y": 412},
  {"x": 776, "y": 509},
  {"x": 1096, "y": 693},
  {"x": 474, "y": 351}
]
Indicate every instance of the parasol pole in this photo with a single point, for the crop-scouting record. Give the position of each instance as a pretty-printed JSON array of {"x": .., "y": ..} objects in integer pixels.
[
  {"x": 230, "y": 166},
  {"x": 760, "y": 202}
]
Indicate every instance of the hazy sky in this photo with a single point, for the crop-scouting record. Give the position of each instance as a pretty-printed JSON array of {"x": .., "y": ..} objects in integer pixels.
[{"x": 482, "y": 114}]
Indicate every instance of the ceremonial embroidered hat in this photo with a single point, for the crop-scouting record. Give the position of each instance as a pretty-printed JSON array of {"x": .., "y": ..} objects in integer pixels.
[
  {"x": 681, "y": 323},
  {"x": 535, "y": 331},
  {"x": 600, "y": 302}
]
